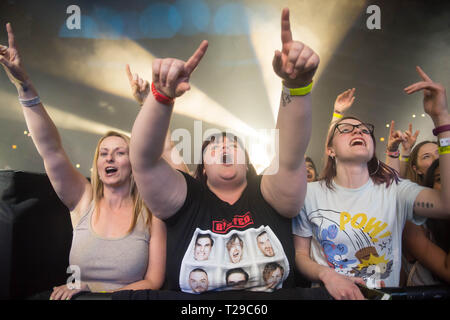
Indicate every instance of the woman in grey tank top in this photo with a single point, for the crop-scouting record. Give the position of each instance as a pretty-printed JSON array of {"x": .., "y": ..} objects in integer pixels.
[{"x": 117, "y": 244}]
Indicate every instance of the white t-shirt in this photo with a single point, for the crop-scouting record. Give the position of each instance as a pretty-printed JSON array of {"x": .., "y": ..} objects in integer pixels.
[{"x": 358, "y": 232}]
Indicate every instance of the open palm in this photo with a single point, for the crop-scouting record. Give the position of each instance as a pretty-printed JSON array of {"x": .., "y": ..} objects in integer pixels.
[{"x": 345, "y": 100}]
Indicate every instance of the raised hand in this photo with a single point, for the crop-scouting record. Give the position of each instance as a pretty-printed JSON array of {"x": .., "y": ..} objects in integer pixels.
[
  {"x": 409, "y": 141},
  {"x": 171, "y": 76},
  {"x": 10, "y": 60},
  {"x": 297, "y": 63},
  {"x": 139, "y": 88},
  {"x": 344, "y": 101},
  {"x": 434, "y": 96},
  {"x": 395, "y": 138}
]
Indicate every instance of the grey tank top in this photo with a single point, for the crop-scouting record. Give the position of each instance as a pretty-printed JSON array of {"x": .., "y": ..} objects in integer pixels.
[{"x": 110, "y": 262}]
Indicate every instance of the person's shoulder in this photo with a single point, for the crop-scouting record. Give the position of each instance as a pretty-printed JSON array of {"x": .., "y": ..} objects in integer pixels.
[
  {"x": 319, "y": 185},
  {"x": 404, "y": 183},
  {"x": 315, "y": 189},
  {"x": 190, "y": 180}
]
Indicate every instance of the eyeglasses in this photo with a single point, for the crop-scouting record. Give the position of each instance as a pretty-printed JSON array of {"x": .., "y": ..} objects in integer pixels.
[{"x": 365, "y": 128}]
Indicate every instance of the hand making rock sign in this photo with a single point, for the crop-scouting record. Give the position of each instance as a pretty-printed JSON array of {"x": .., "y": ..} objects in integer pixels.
[{"x": 223, "y": 187}]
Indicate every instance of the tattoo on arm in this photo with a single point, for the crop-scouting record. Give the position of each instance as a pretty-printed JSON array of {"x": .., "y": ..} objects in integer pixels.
[
  {"x": 285, "y": 99},
  {"x": 427, "y": 205},
  {"x": 24, "y": 87}
]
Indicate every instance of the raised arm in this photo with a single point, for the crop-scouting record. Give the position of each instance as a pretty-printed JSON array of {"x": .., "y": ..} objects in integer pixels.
[
  {"x": 140, "y": 89},
  {"x": 162, "y": 187},
  {"x": 405, "y": 151},
  {"x": 342, "y": 103},
  {"x": 430, "y": 202},
  {"x": 392, "y": 153},
  {"x": 69, "y": 184},
  {"x": 296, "y": 65}
]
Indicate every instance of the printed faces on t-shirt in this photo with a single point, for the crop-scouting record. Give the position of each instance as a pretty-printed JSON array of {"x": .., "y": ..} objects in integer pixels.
[{"x": 252, "y": 259}]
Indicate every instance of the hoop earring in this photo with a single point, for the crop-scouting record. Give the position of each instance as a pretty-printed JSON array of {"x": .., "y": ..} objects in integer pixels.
[{"x": 378, "y": 167}]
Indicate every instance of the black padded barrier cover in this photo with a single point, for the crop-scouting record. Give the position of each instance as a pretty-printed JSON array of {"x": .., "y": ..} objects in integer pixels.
[{"x": 35, "y": 235}]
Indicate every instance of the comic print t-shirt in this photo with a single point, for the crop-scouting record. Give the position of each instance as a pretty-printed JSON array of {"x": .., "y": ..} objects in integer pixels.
[
  {"x": 212, "y": 245},
  {"x": 358, "y": 232}
]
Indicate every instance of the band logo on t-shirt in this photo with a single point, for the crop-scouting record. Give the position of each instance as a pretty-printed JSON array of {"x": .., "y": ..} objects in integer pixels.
[{"x": 238, "y": 222}]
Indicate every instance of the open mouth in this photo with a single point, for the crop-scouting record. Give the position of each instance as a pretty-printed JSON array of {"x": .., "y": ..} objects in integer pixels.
[
  {"x": 357, "y": 142},
  {"x": 227, "y": 159},
  {"x": 110, "y": 170}
]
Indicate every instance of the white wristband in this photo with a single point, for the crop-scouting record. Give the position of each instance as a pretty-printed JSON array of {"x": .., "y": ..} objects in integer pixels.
[
  {"x": 30, "y": 102},
  {"x": 444, "y": 142}
]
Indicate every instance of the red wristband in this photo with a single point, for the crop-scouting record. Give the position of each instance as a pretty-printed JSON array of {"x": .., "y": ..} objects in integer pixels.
[
  {"x": 441, "y": 129},
  {"x": 160, "y": 97}
]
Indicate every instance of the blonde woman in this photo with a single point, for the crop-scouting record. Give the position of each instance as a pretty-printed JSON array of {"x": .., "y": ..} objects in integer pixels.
[{"x": 116, "y": 244}]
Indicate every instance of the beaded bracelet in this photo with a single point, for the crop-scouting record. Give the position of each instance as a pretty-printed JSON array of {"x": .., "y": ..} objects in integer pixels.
[{"x": 393, "y": 154}]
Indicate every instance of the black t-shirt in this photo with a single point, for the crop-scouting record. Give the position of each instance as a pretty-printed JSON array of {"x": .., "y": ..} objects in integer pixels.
[{"x": 212, "y": 245}]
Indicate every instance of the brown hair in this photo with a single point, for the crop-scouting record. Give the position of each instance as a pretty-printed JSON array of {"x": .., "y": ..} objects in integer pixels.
[
  {"x": 202, "y": 177},
  {"x": 232, "y": 240},
  {"x": 308, "y": 159},
  {"x": 412, "y": 174},
  {"x": 379, "y": 171},
  {"x": 428, "y": 180},
  {"x": 139, "y": 206},
  {"x": 271, "y": 267}
]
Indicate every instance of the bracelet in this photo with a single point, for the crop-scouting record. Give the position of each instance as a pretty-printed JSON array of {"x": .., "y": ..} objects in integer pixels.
[
  {"x": 337, "y": 115},
  {"x": 444, "y": 142},
  {"x": 404, "y": 158},
  {"x": 30, "y": 102},
  {"x": 393, "y": 154},
  {"x": 160, "y": 97},
  {"x": 445, "y": 127},
  {"x": 444, "y": 150},
  {"x": 303, "y": 91}
]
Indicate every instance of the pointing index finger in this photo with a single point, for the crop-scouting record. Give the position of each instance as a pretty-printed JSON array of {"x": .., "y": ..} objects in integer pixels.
[
  {"x": 286, "y": 34},
  {"x": 130, "y": 76},
  {"x": 11, "y": 40},
  {"x": 195, "y": 59},
  {"x": 391, "y": 128}
]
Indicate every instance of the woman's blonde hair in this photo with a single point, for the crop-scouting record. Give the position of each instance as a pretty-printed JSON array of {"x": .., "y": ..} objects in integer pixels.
[{"x": 139, "y": 206}]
